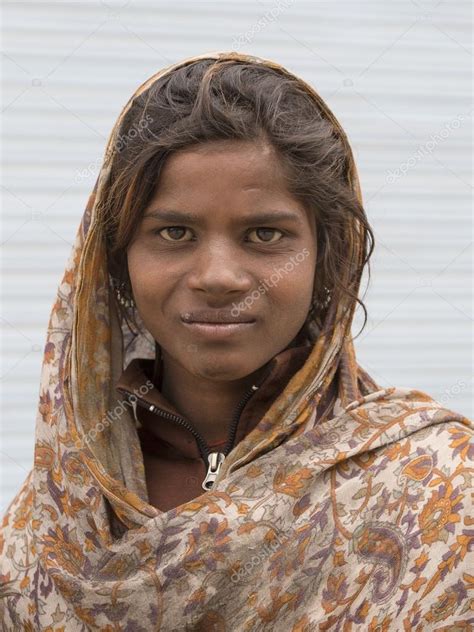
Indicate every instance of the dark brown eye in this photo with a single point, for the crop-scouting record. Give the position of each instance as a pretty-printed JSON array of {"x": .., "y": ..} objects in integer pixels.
[
  {"x": 266, "y": 232},
  {"x": 173, "y": 229}
]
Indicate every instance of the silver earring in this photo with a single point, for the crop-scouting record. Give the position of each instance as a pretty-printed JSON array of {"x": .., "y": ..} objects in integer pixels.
[
  {"x": 313, "y": 308},
  {"x": 122, "y": 293}
]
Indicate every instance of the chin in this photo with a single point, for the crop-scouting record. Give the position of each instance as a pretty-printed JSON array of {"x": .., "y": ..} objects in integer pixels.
[{"x": 221, "y": 369}]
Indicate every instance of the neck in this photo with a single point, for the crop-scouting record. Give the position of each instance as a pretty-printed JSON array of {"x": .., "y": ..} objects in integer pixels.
[{"x": 208, "y": 404}]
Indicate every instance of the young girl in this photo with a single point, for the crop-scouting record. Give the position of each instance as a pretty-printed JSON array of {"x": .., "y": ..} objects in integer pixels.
[{"x": 209, "y": 454}]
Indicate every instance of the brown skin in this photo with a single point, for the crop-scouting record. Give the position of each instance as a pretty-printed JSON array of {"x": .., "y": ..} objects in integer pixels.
[{"x": 216, "y": 263}]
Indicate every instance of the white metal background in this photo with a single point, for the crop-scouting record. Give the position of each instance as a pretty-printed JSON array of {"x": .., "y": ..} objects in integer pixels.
[{"x": 397, "y": 75}]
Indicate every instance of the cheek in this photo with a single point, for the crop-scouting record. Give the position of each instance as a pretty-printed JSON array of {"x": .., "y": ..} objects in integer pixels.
[
  {"x": 292, "y": 283},
  {"x": 149, "y": 272},
  {"x": 142, "y": 265},
  {"x": 143, "y": 276},
  {"x": 135, "y": 263}
]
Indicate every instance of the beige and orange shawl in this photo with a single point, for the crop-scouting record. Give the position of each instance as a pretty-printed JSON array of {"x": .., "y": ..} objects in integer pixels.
[{"x": 361, "y": 522}]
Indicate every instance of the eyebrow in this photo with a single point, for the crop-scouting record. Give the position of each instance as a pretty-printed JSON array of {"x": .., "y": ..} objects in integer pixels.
[{"x": 171, "y": 215}]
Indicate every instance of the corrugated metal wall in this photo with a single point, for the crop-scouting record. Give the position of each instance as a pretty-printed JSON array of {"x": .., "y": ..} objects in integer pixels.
[{"x": 397, "y": 75}]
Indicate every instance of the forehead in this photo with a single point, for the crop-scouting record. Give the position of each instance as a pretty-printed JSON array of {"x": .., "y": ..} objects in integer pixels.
[
  {"x": 243, "y": 163},
  {"x": 225, "y": 179}
]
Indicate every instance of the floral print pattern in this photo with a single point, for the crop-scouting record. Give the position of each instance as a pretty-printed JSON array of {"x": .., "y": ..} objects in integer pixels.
[{"x": 359, "y": 522}]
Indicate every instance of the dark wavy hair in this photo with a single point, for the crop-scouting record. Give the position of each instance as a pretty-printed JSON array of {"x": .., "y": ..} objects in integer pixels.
[{"x": 209, "y": 100}]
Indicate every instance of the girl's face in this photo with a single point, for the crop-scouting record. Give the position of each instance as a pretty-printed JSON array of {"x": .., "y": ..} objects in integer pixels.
[{"x": 223, "y": 235}]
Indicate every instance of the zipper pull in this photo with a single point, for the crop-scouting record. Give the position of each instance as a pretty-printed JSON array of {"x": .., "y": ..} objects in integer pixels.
[
  {"x": 133, "y": 403},
  {"x": 215, "y": 459}
]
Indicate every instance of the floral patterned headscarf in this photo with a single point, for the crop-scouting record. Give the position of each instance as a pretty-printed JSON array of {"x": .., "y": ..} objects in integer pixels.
[{"x": 363, "y": 521}]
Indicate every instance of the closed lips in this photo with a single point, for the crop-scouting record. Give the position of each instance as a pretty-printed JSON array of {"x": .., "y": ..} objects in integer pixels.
[
  {"x": 212, "y": 322},
  {"x": 224, "y": 319}
]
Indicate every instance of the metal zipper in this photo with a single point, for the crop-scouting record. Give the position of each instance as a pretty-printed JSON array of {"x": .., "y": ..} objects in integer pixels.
[
  {"x": 215, "y": 460},
  {"x": 212, "y": 460}
]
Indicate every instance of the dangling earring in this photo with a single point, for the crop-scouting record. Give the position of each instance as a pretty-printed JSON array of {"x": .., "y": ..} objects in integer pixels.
[
  {"x": 313, "y": 309},
  {"x": 122, "y": 293}
]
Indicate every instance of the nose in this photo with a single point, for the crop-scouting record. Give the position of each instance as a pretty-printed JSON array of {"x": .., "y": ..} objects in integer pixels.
[{"x": 217, "y": 270}]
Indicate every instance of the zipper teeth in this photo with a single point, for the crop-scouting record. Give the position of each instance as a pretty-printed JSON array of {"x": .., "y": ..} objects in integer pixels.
[
  {"x": 235, "y": 421},
  {"x": 202, "y": 445}
]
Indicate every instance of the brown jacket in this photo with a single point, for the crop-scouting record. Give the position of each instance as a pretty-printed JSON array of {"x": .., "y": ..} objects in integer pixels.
[{"x": 172, "y": 452}]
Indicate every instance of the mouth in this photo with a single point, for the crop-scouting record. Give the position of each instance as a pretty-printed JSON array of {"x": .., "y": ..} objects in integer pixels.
[
  {"x": 219, "y": 330},
  {"x": 217, "y": 324},
  {"x": 215, "y": 318}
]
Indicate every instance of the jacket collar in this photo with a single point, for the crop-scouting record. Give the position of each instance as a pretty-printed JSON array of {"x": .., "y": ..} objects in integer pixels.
[{"x": 161, "y": 435}]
